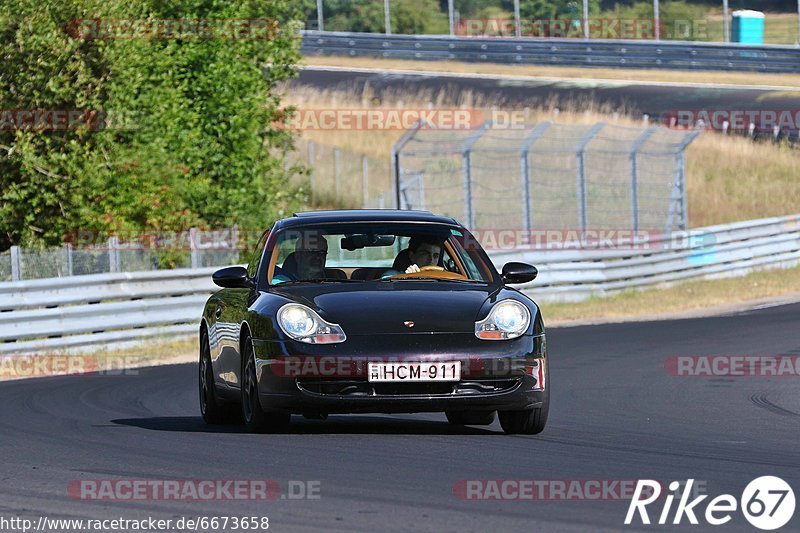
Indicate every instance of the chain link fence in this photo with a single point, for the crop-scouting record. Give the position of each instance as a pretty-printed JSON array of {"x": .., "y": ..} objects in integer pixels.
[
  {"x": 547, "y": 176},
  {"x": 340, "y": 178},
  {"x": 190, "y": 249}
]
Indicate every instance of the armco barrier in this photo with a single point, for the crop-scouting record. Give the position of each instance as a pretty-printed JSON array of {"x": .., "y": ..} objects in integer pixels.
[
  {"x": 558, "y": 52},
  {"x": 79, "y": 311}
]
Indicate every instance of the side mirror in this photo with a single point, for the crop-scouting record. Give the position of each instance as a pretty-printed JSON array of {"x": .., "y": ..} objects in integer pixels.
[
  {"x": 519, "y": 272},
  {"x": 234, "y": 277}
]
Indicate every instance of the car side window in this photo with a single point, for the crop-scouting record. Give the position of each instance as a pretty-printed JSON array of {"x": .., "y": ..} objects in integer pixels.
[{"x": 252, "y": 267}]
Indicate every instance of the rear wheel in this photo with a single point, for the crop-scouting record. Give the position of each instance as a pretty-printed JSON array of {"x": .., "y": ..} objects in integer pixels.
[
  {"x": 470, "y": 418},
  {"x": 214, "y": 410},
  {"x": 255, "y": 418},
  {"x": 528, "y": 421}
]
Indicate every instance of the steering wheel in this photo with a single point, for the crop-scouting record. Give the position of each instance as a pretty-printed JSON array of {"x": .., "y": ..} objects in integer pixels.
[{"x": 431, "y": 267}]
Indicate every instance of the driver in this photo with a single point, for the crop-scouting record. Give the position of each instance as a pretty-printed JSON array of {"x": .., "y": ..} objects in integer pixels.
[{"x": 423, "y": 251}]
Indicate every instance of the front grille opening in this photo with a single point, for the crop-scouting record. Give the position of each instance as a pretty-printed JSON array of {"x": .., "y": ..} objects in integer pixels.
[{"x": 356, "y": 388}]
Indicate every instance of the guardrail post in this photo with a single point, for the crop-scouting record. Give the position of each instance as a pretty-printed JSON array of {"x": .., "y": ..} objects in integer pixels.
[
  {"x": 581, "y": 148},
  {"x": 365, "y": 180},
  {"x": 394, "y": 162},
  {"x": 637, "y": 144},
  {"x": 68, "y": 252},
  {"x": 524, "y": 167},
  {"x": 466, "y": 168},
  {"x": 16, "y": 264}
]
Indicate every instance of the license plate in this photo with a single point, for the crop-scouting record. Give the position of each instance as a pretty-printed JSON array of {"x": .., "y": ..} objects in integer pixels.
[{"x": 407, "y": 372}]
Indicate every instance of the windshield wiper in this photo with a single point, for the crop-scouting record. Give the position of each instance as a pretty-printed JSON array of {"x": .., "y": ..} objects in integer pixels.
[
  {"x": 432, "y": 278},
  {"x": 324, "y": 280}
]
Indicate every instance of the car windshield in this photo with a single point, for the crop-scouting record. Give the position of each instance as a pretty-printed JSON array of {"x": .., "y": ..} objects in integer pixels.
[{"x": 377, "y": 252}]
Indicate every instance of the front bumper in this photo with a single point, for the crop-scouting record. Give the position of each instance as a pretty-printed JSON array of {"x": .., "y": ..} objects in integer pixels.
[{"x": 325, "y": 379}]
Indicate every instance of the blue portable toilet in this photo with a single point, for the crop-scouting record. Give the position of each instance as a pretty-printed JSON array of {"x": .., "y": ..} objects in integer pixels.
[{"x": 747, "y": 27}]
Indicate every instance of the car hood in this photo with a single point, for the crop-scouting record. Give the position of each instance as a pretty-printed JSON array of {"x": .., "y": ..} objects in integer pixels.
[{"x": 384, "y": 308}]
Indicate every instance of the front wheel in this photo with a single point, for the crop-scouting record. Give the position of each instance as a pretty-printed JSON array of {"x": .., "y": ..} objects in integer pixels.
[
  {"x": 528, "y": 421},
  {"x": 214, "y": 411},
  {"x": 255, "y": 418}
]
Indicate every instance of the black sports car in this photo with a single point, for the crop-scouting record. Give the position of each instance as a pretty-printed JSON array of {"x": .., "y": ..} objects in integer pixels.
[{"x": 372, "y": 311}]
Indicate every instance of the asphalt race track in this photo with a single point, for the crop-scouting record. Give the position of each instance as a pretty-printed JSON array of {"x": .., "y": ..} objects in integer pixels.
[
  {"x": 655, "y": 99},
  {"x": 616, "y": 414}
]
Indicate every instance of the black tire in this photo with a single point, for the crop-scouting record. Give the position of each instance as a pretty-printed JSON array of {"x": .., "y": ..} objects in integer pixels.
[
  {"x": 470, "y": 418},
  {"x": 528, "y": 421},
  {"x": 213, "y": 410},
  {"x": 255, "y": 418}
]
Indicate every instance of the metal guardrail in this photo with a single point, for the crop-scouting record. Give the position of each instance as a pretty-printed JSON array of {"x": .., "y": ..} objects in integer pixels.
[
  {"x": 710, "y": 252},
  {"x": 559, "y": 52},
  {"x": 77, "y": 311},
  {"x": 80, "y": 311}
]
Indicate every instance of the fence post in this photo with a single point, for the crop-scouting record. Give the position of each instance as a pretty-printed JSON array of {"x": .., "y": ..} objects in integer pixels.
[
  {"x": 113, "y": 263},
  {"x": 16, "y": 264},
  {"x": 311, "y": 171},
  {"x": 532, "y": 137},
  {"x": 336, "y": 170},
  {"x": 387, "y": 18},
  {"x": 68, "y": 250},
  {"x": 581, "y": 148},
  {"x": 637, "y": 144},
  {"x": 195, "y": 252},
  {"x": 466, "y": 168},
  {"x": 684, "y": 220},
  {"x": 365, "y": 180},
  {"x": 394, "y": 162}
]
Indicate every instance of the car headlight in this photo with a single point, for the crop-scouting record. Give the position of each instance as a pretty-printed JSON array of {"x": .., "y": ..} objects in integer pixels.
[
  {"x": 507, "y": 319},
  {"x": 303, "y": 324}
]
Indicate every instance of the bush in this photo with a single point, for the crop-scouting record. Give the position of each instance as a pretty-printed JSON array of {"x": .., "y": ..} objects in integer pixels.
[
  {"x": 679, "y": 20},
  {"x": 189, "y": 121}
]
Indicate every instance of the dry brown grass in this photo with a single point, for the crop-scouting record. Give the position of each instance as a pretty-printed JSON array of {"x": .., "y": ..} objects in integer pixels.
[
  {"x": 733, "y": 178},
  {"x": 683, "y": 76}
]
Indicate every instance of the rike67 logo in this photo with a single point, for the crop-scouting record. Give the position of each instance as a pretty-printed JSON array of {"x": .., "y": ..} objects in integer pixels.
[{"x": 767, "y": 503}]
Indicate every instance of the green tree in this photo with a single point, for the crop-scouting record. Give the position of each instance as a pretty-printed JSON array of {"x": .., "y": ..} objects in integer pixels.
[{"x": 189, "y": 138}]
